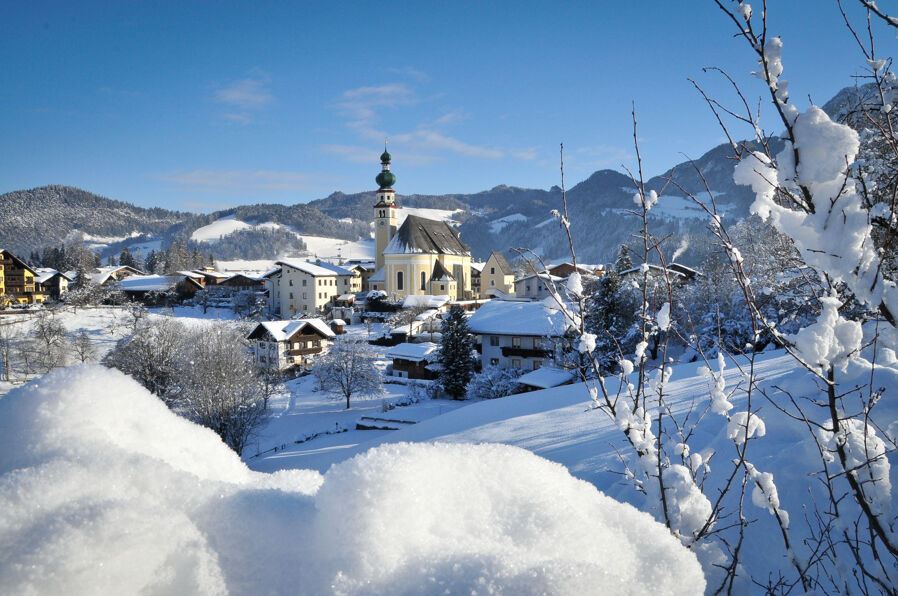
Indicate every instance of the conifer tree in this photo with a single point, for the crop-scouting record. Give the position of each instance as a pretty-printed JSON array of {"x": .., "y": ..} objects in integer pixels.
[{"x": 455, "y": 356}]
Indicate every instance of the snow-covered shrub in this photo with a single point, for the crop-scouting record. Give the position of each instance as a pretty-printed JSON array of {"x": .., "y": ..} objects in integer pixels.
[{"x": 494, "y": 382}]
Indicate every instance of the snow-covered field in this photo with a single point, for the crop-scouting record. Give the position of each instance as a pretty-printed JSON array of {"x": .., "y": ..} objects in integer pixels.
[
  {"x": 326, "y": 248},
  {"x": 497, "y": 225}
]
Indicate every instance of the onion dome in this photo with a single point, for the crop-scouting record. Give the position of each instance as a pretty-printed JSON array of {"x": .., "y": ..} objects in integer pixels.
[{"x": 386, "y": 179}]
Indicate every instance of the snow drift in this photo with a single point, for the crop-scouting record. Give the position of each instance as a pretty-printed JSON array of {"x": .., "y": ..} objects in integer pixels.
[{"x": 104, "y": 490}]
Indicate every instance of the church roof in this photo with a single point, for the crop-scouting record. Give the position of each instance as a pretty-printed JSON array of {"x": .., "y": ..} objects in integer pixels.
[
  {"x": 421, "y": 235},
  {"x": 440, "y": 273}
]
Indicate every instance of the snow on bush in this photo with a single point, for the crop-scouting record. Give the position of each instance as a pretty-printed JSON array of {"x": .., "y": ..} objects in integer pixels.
[{"x": 105, "y": 490}]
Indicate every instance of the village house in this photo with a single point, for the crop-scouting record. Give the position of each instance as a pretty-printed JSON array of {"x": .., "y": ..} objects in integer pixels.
[
  {"x": 302, "y": 288},
  {"x": 156, "y": 289},
  {"x": 536, "y": 286},
  {"x": 281, "y": 345},
  {"x": 108, "y": 276},
  {"x": 497, "y": 276},
  {"x": 414, "y": 361},
  {"x": 51, "y": 282},
  {"x": 523, "y": 335},
  {"x": 17, "y": 281}
]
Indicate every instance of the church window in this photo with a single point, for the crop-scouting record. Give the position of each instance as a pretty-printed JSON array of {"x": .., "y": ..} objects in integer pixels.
[
  {"x": 423, "y": 281},
  {"x": 399, "y": 280}
]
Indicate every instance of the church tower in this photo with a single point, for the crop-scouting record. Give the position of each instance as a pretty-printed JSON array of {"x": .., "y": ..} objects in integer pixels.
[{"x": 384, "y": 209}]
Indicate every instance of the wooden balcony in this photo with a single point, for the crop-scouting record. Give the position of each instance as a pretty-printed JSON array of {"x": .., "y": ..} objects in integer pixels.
[
  {"x": 509, "y": 351},
  {"x": 304, "y": 351}
]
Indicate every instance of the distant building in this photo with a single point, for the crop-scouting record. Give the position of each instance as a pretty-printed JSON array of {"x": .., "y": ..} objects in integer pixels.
[
  {"x": 536, "y": 286},
  {"x": 303, "y": 288},
  {"x": 281, "y": 345},
  {"x": 497, "y": 275},
  {"x": 51, "y": 282},
  {"x": 17, "y": 281},
  {"x": 414, "y": 361}
]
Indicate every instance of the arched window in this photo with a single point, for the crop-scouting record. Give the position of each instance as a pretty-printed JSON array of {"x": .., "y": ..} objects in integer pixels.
[
  {"x": 399, "y": 280},
  {"x": 423, "y": 281}
]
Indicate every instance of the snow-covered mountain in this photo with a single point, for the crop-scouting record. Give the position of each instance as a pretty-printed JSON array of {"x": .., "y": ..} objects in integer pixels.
[{"x": 501, "y": 218}]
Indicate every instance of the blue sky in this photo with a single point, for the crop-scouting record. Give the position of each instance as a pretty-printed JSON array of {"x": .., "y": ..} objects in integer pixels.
[{"x": 199, "y": 106}]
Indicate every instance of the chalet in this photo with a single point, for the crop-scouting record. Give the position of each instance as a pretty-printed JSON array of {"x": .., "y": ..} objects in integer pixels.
[
  {"x": 17, "y": 281},
  {"x": 109, "y": 276},
  {"x": 521, "y": 335},
  {"x": 337, "y": 326},
  {"x": 536, "y": 286},
  {"x": 239, "y": 281},
  {"x": 497, "y": 276},
  {"x": 51, "y": 282},
  {"x": 282, "y": 345},
  {"x": 565, "y": 269},
  {"x": 414, "y": 361},
  {"x": 210, "y": 276},
  {"x": 154, "y": 289}
]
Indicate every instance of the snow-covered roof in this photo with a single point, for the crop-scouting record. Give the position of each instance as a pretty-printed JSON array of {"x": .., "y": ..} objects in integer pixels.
[
  {"x": 501, "y": 317},
  {"x": 541, "y": 276},
  {"x": 271, "y": 272},
  {"x": 148, "y": 283},
  {"x": 335, "y": 268},
  {"x": 422, "y": 235},
  {"x": 425, "y": 300},
  {"x": 476, "y": 266},
  {"x": 103, "y": 274},
  {"x": 346, "y": 297},
  {"x": 192, "y": 274},
  {"x": 45, "y": 274},
  {"x": 440, "y": 273},
  {"x": 338, "y": 322},
  {"x": 673, "y": 269},
  {"x": 413, "y": 352},
  {"x": 306, "y": 267},
  {"x": 282, "y": 330},
  {"x": 546, "y": 377},
  {"x": 379, "y": 275}
]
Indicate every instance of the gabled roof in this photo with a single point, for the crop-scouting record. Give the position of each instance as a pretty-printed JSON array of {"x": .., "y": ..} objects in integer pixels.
[
  {"x": 379, "y": 275},
  {"x": 501, "y": 317},
  {"x": 414, "y": 352},
  {"x": 501, "y": 262},
  {"x": 103, "y": 274},
  {"x": 45, "y": 274},
  {"x": 335, "y": 268},
  {"x": 421, "y": 235},
  {"x": 19, "y": 262},
  {"x": 283, "y": 330},
  {"x": 150, "y": 283},
  {"x": 306, "y": 267},
  {"x": 440, "y": 273}
]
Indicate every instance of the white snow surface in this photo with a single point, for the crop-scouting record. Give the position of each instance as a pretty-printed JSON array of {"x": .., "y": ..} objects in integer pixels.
[
  {"x": 104, "y": 490},
  {"x": 218, "y": 228},
  {"x": 497, "y": 225}
]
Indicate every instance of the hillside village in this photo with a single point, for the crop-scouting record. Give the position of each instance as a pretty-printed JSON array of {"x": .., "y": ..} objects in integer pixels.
[{"x": 676, "y": 384}]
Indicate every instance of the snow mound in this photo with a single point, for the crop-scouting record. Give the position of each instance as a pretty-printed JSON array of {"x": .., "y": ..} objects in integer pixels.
[{"x": 104, "y": 490}]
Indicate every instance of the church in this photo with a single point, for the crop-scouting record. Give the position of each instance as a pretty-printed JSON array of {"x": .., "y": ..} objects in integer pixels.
[{"x": 422, "y": 256}]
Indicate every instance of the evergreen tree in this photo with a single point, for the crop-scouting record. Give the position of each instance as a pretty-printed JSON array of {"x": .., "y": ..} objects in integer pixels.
[
  {"x": 610, "y": 314},
  {"x": 125, "y": 259},
  {"x": 456, "y": 360},
  {"x": 623, "y": 262}
]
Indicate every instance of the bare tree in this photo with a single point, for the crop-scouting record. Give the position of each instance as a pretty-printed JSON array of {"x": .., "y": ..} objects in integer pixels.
[
  {"x": 50, "y": 342},
  {"x": 83, "y": 347},
  {"x": 348, "y": 370}
]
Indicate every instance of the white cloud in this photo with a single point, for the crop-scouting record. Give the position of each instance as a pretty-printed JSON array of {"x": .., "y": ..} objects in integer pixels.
[
  {"x": 239, "y": 180},
  {"x": 248, "y": 94}
]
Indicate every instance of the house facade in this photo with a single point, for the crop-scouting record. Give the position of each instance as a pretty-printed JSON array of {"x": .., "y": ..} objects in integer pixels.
[
  {"x": 51, "y": 282},
  {"x": 281, "y": 345},
  {"x": 303, "y": 288},
  {"x": 17, "y": 285},
  {"x": 497, "y": 275},
  {"x": 536, "y": 286},
  {"x": 413, "y": 361}
]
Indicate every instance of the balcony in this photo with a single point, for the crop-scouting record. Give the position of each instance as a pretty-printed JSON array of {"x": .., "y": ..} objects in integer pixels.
[
  {"x": 509, "y": 351},
  {"x": 304, "y": 351}
]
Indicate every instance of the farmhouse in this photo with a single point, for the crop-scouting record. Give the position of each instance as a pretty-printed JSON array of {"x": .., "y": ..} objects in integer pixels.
[
  {"x": 414, "y": 361},
  {"x": 282, "y": 345}
]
